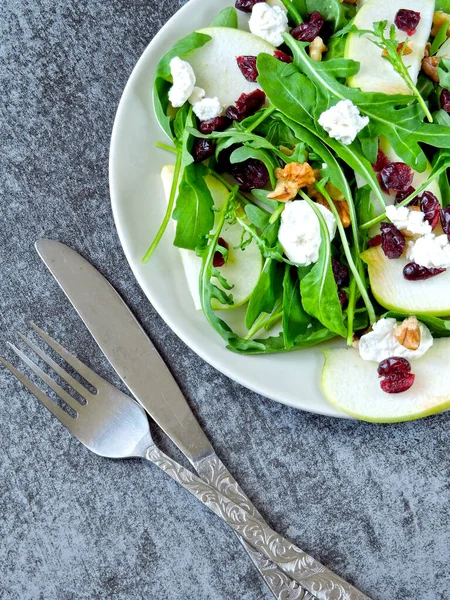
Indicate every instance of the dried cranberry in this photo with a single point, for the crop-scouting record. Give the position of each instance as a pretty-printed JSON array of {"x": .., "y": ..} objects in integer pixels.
[
  {"x": 396, "y": 384},
  {"x": 392, "y": 240},
  {"x": 445, "y": 221},
  {"x": 382, "y": 161},
  {"x": 250, "y": 174},
  {"x": 431, "y": 208},
  {"x": 415, "y": 272},
  {"x": 407, "y": 20},
  {"x": 217, "y": 124},
  {"x": 400, "y": 196},
  {"x": 394, "y": 366},
  {"x": 282, "y": 56},
  {"x": 397, "y": 176},
  {"x": 310, "y": 29},
  {"x": 219, "y": 259},
  {"x": 247, "y": 65},
  {"x": 343, "y": 298},
  {"x": 203, "y": 149},
  {"x": 375, "y": 241},
  {"x": 445, "y": 101},
  {"x": 247, "y": 5},
  {"x": 340, "y": 273},
  {"x": 246, "y": 105}
]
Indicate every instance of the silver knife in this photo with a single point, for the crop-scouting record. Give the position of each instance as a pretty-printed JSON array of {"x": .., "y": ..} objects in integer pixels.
[{"x": 137, "y": 362}]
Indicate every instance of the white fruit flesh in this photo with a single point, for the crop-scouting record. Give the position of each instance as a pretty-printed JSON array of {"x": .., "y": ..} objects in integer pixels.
[
  {"x": 394, "y": 292},
  {"x": 376, "y": 73},
  {"x": 243, "y": 267},
  {"x": 352, "y": 384},
  {"x": 215, "y": 64}
]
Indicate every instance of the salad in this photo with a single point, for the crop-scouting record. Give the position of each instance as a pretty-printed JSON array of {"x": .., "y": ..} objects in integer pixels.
[{"x": 308, "y": 189}]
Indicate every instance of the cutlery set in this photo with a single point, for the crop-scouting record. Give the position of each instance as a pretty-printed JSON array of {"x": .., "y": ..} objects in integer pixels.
[{"x": 113, "y": 425}]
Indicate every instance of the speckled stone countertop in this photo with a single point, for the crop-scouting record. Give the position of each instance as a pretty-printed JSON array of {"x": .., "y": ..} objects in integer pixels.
[{"x": 372, "y": 502}]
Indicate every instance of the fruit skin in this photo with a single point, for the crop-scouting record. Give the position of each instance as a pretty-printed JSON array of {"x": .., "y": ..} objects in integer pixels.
[
  {"x": 376, "y": 74},
  {"x": 394, "y": 292},
  {"x": 349, "y": 382},
  {"x": 215, "y": 63},
  {"x": 242, "y": 269}
]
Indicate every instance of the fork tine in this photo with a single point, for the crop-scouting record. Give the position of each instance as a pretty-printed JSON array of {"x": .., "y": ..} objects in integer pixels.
[
  {"x": 57, "y": 411},
  {"x": 76, "y": 385},
  {"x": 76, "y": 406},
  {"x": 88, "y": 374}
]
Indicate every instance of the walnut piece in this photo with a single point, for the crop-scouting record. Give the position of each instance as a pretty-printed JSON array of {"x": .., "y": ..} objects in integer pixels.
[
  {"x": 340, "y": 202},
  {"x": 406, "y": 51},
  {"x": 439, "y": 19},
  {"x": 408, "y": 333},
  {"x": 316, "y": 49},
  {"x": 429, "y": 67},
  {"x": 290, "y": 179}
]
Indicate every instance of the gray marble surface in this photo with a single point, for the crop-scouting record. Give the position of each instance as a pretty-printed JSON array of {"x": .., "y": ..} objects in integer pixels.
[{"x": 372, "y": 502}]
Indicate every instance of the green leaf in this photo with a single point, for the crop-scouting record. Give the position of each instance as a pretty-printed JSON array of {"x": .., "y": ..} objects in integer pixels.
[
  {"x": 274, "y": 345},
  {"x": 339, "y": 67},
  {"x": 160, "y": 104},
  {"x": 439, "y": 39},
  {"x": 369, "y": 146},
  {"x": 266, "y": 293},
  {"x": 261, "y": 195},
  {"x": 443, "y": 5},
  {"x": 438, "y": 327},
  {"x": 319, "y": 290},
  {"x": 226, "y": 18},
  {"x": 444, "y": 73},
  {"x": 295, "y": 318},
  {"x": 193, "y": 211},
  {"x": 331, "y": 9}
]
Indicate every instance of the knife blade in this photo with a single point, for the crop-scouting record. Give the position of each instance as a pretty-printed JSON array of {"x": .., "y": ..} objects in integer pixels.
[{"x": 126, "y": 346}]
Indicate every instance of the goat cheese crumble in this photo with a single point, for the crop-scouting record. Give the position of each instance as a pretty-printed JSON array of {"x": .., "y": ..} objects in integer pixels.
[
  {"x": 183, "y": 77},
  {"x": 299, "y": 232},
  {"x": 381, "y": 343},
  {"x": 343, "y": 121},
  {"x": 410, "y": 221},
  {"x": 269, "y": 23},
  {"x": 208, "y": 108},
  {"x": 430, "y": 251},
  {"x": 197, "y": 95}
]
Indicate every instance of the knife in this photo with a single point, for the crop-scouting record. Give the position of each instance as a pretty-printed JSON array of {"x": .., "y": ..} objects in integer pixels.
[{"x": 137, "y": 362}]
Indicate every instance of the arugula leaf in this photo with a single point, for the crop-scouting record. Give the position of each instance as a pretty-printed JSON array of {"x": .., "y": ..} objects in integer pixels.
[
  {"x": 194, "y": 209},
  {"x": 163, "y": 78},
  {"x": 295, "y": 318},
  {"x": 226, "y": 18},
  {"x": 319, "y": 290},
  {"x": 440, "y": 38},
  {"x": 296, "y": 9},
  {"x": 261, "y": 195},
  {"x": 266, "y": 293},
  {"x": 444, "y": 73},
  {"x": 332, "y": 10},
  {"x": 443, "y": 5},
  {"x": 262, "y": 220},
  {"x": 316, "y": 334},
  {"x": 438, "y": 327}
]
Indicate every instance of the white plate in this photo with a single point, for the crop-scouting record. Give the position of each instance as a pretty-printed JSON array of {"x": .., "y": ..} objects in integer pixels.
[{"x": 138, "y": 206}]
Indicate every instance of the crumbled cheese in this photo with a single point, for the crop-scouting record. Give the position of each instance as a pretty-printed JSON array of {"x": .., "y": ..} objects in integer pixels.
[
  {"x": 381, "y": 343},
  {"x": 430, "y": 251},
  {"x": 183, "y": 77},
  {"x": 269, "y": 23},
  {"x": 412, "y": 222},
  {"x": 208, "y": 108},
  {"x": 197, "y": 95},
  {"x": 299, "y": 232},
  {"x": 343, "y": 121}
]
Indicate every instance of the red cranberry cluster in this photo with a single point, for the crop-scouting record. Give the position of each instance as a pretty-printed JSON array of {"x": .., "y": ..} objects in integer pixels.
[
  {"x": 445, "y": 101},
  {"x": 247, "y": 64},
  {"x": 246, "y": 105},
  {"x": 396, "y": 375},
  {"x": 392, "y": 240},
  {"x": 204, "y": 149},
  {"x": 219, "y": 259},
  {"x": 341, "y": 276},
  {"x": 310, "y": 29},
  {"x": 407, "y": 20},
  {"x": 415, "y": 272},
  {"x": 251, "y": 174}
]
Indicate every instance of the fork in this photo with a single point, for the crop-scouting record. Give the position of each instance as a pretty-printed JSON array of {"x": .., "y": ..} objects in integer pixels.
[{"x": 113, "y": 425}]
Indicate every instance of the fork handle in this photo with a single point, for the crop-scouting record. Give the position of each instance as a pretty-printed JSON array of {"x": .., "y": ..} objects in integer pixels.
[
  {"x": 212, "y": 470},
  {"x": 312, "y": 575}
]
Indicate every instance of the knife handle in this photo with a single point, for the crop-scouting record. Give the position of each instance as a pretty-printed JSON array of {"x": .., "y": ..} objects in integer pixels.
[
  {"x": 312, "y": 575},
  {"x": 212, "y": 470}
]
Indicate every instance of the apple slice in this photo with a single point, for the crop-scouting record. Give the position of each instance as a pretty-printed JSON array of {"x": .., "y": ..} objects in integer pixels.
[
  {"x": 376, "y": 74},
  {"x": 352, "y": 384},
  {"x": 394, "y": 292},
  {"x": 243, "y": 267},
  {"x": 215, "y": 64}
]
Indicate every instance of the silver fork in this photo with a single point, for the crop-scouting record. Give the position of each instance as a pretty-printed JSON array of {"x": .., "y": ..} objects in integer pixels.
[{"x": 113, "y": 425}]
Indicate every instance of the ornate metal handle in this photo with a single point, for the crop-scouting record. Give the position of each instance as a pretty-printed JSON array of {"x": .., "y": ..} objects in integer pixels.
[
  {"x": 213, "y": 471},
  {"x": 313, "y": 576}
]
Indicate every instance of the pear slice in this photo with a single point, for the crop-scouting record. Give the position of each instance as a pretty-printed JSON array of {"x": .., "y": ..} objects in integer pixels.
[
  {"x": 394, "y": 292},
  {"x": 352, "y": 384},
  {"x": 243, "y": 267},
  {"x": 376, "y": 74},
  {"x": 215, "y": 64}
]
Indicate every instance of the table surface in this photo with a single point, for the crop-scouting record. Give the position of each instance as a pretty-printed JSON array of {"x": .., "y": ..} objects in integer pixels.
[{"x": 371, "y": 502}]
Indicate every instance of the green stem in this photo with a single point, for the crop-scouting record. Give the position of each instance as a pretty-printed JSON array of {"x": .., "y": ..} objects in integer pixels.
[
  {"x": 265, "y": 321},
  {"x": 277, "y": 213},
  {"x": 167, "y": 216},
  {"x": 230, "y": 188},
  {"x": 351, "y": 311},
  {"x": 407, "y": 200},
  {"x": 166, "y": 147},
  {"x": 347, "y": 251},
  {"x": 292, "y": 12},
  {"x": 264, "y": 115}
]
